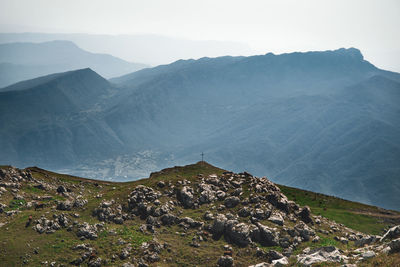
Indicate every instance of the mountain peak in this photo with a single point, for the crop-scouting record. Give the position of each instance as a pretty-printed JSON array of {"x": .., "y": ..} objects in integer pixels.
[
  {"x": 351, "y": 52},
  {"x": 87, "y": 72}
]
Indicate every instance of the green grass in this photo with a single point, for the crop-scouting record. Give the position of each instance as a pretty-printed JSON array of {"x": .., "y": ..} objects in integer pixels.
[
  {"x": 339, "y": 210},
  {"x": 362, "y": 223},
  {"x": 134, "y": 236},
  {"x": 326, "y": 241},
  {"x": 33, "y": 190},
  {"x": 57, "y": 246},
  {"x": 16, "y": 204},
  {"x": 266, "y": 249}
]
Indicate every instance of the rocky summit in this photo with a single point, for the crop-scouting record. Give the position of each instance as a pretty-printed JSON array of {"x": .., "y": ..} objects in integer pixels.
[{"x": 197, "y": 215}]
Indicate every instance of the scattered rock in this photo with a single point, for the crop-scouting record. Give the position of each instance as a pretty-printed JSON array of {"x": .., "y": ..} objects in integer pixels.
[
  {"x": 65, "y": 205},
  {"x": 61, "y": 189},
  {"x": 368, "y": 254},
  {"x": 322, "y": 254},
  {"x": 280, "y": 262},
  {"x": 392, "y": 233},
  {"x": 88, "y": 231},
  {"x": 185, "y": 196},
  {"x": 305, "y": 215},
  {"x": 218, "y": 226},
  {"x": 394, "y": 245},
  {"x": 237, "y": 233},
  {"x": 225, "y": 261},
  {"x": 231, "y": 202},
  {"x": 276, "y": 218},
  {"x": 265, "y": 235}
]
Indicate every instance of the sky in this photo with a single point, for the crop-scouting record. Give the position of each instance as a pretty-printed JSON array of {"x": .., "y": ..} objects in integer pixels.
[{"x": 266, "y": 26}]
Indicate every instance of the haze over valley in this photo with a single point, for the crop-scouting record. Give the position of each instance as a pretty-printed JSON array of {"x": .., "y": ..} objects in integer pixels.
[
  {"x": 223, "y": 133},
  {"x": 290, "y": 90},
  {"x": 313, "y": 120}
]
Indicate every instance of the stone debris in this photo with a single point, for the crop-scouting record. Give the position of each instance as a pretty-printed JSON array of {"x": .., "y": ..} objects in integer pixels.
[
  {"x": 108, "y": 211},
  {"x": 225, "y": 261},
  {"x": 44, "y": 225},
  {"x": 243, "y": 210},
  {"x": 322, "y": 254},
  {"x": 88, "y": 231},
  {"x": 392, "y": 233}
]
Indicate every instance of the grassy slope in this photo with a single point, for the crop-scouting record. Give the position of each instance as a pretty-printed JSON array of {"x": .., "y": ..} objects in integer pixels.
[
  {"x": 358, "y": 216},
  {"x": 18, "y": 243}
]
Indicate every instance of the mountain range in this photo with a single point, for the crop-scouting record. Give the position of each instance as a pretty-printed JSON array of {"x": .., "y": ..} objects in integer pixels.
[
  {"x": 150, "y": 49},
  {"x": 22, "y": 61},
  {"x": 323, "y": 121}
]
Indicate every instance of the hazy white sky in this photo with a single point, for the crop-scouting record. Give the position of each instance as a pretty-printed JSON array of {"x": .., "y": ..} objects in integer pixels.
[{"x": 267, "y": 26}]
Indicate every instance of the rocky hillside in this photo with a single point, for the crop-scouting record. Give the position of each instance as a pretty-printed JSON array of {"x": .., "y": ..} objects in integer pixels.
[{"x": 197, "y": 215}]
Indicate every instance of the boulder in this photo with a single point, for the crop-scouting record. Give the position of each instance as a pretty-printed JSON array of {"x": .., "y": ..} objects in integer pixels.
[
  {"x": 267, "y": 236},
  {"x": 88, "y": 231},
  {"x": 168, "y": 219},
  {"x": 124, "y": 254},
  {"x": 96, "y": 262},
  {"x": 367, "y": 255},
  {"x": 221, "y": 195},
  {"x": 322, "y": 254},
  {"x": 44, "y": 225},
  {"x": 276, "y": 218},
  {"x": 392, "y": 233},
  {"x": 244, "y": 212},
  {"x": 260, "y": 214},
  {"x": 365, "y": 240},
  {"x": 231, "y": 202},
  {"x": 161, "y": 184},
  {"x": 280, "y": 262},
  {"x": 142, "y": 195},
  {"x": 185, "y": 196},
  {"x": 190, "y": 222},
  {"x": 274, "y": 255},
  {"x": 65, "y": 205},
  {"x": 394, "y": 245},
  {"x": 225, "y": 261},
  {"x": 61, "y": 189},
  {"x": 80, "y": 202},
  {"x": 218, "y": 226},
  {"x": 207, "y": 196},
  {"x": 237, "y": 233},
  {"x": 208, "y": 216},
  {"x": 304, "y": 231},
  {"x": 305, "y": 215}
]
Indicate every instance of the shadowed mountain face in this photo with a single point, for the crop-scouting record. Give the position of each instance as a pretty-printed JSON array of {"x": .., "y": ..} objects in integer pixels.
[
  {"x": 21, "y": 61},
  {"x": 325, "y": 121},
  {"x": 53, "y": 120}
]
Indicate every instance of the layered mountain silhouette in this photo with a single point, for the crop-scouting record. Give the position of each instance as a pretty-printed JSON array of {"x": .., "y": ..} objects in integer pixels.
[
  {"x": 151, "y": 49},
  {"x": 325, "y": 121},
  {"x": 53, "y": 121},
  {"x": 22, "y": 61}
]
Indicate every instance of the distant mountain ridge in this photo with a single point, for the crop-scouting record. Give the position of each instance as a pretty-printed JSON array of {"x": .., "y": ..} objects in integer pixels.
[
  {"x": 54, "y": 121},
  {"x": 146, "y": 48},
  {"x": 323, "y": 121},
  {"x": 22, "y": 61}
]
